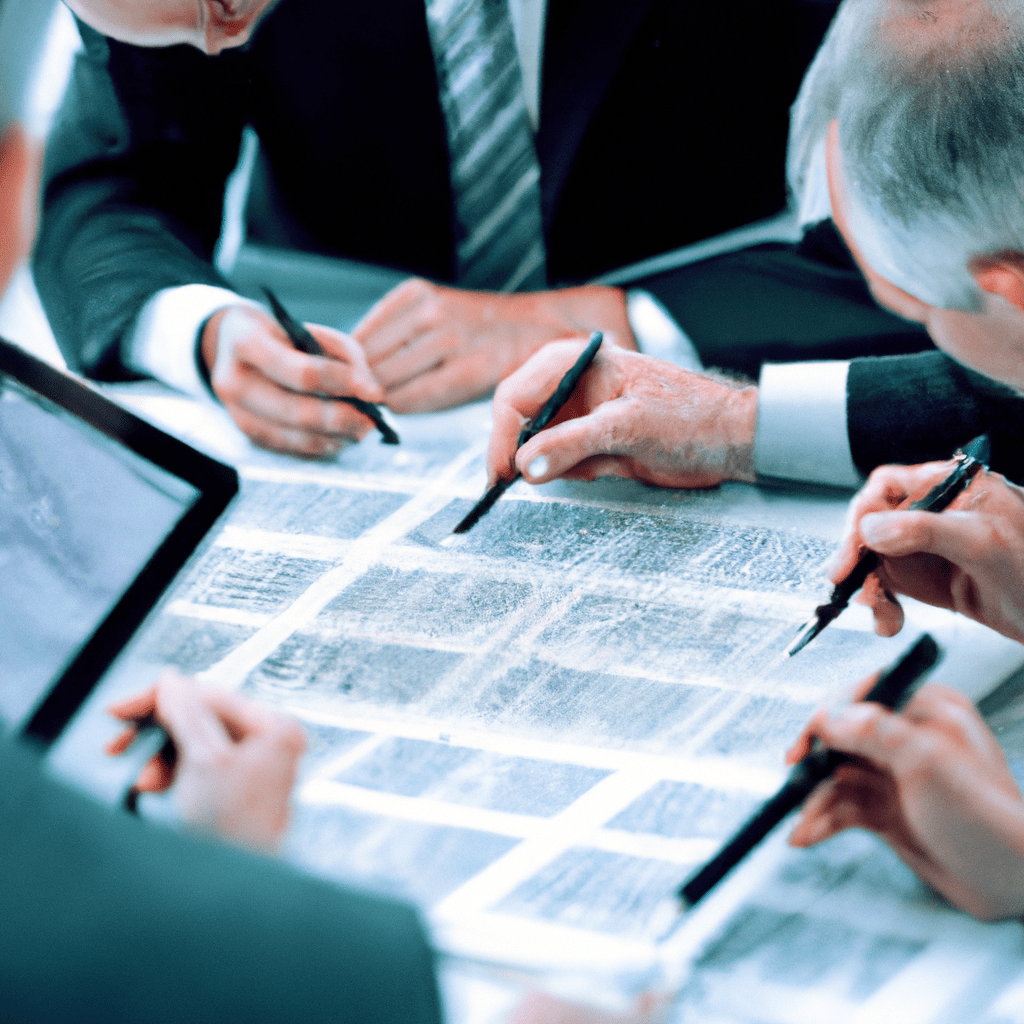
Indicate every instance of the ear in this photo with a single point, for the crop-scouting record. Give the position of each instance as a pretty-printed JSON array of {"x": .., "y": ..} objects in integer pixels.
[{"x": 1001, "y": 274}]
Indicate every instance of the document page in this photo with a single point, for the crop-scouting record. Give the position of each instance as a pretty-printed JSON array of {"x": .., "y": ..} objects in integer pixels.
[{"x": 537, "y": 731}]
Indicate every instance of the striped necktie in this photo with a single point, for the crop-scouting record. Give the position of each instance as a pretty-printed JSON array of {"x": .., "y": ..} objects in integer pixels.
[{"x": 495, "y": 177}]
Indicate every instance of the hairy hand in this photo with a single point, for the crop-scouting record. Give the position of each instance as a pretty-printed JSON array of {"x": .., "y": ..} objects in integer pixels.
[
  {"x": 235, "y": 763},
  {"x": 933, "y": 783},
  {"x": 631, "y": 415},
  {"x": 280, "y": 397},
  {"x": 969, "y": 558},
  {"x": 433, "y": 347}
]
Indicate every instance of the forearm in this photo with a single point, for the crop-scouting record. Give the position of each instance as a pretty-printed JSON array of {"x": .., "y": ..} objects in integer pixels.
[{"x": 134, "y": 181}]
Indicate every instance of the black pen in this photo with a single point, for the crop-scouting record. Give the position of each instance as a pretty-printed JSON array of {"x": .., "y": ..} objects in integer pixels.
[
  {"x": 894, "y": 688},
  {"x": 552, "y": 407},
  {"x": 301, "y": 338},
  {"x": 971, "y": 460}
]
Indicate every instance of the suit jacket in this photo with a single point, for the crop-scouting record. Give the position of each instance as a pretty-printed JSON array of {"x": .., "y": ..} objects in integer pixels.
[
  {"x": 661, "y": 122},
  {"x": 907, "y": 402},
  {"x": 107, "y": 919}
]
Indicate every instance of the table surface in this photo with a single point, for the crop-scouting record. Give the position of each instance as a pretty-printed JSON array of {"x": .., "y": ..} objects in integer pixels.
[{"x": 537, "y": 730}]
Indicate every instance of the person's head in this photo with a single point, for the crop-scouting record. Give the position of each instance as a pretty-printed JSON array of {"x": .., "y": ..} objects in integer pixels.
[
  {"x": 210, "y": 25},
  {"x": 23, "y": 25},
  {"x": 926, "y": 164}
]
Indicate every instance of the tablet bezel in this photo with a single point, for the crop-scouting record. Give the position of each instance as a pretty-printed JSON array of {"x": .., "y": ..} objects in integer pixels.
[{"x": 216, "y": 483}]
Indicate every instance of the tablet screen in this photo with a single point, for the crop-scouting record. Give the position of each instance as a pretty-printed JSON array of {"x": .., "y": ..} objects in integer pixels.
[{"x": 80, "y": 516}]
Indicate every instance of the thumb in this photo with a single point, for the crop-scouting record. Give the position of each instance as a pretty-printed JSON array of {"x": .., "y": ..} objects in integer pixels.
[{"x": 555, "y": 451}]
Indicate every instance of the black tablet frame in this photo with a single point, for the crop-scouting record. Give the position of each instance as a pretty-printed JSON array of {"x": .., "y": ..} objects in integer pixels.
[{"x": 216, "y": 483}]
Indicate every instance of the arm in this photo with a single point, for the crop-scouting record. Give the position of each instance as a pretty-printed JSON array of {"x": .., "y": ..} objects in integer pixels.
[
  {"x": 969, "y": 558},
  {"x": 931, "y": 782},
  {"x": 134, "y": 188},
  {"x": 133, "y": 181},
  {"x": 631, "y": 416},
  {"x": 153, "y": 926}
]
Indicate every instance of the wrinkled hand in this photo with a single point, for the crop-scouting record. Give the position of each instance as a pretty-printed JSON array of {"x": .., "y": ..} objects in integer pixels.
[
  {"x": 631, "y": 415},
  {"x": 236, "y": 761},
  {"x": 934, "y": 785},
  {"x": 969, "y": 558},
  {"x": 432, "y": 347},
  {"x": 276, "y": 394}
]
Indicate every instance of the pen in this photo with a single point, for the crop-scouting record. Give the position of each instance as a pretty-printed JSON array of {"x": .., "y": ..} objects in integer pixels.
[
  {"x": 970, "y": 460},
  {"x": 552, "y": 407},
  {"x": 894, "y": 688},
  {"x": 301, "y": 338},
  {"x": 167, "y": 753}
]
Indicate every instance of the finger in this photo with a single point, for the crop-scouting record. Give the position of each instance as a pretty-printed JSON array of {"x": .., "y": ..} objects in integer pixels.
[
  {"x": 566, "y": 444},
  {"x": 501, "y": 448},
  {"x": 887, "y": 488},
  {"x": 291, "y": 441},
  {"x": 260, "y": 344},
  {"x": 183, "y": 710},
  {"x": 139, "y": 705},
  {"x": 156, "y": 776},
  {"x": 446, "y": 385},
  {"x": 887, "y": 611},
  {"x": 423, "y": 353},
  {"x": 394, "y": 320},
  {"x": 347, "y": 350},
  {"x": 248, "y": 389},
  {"x": 857, "y": 796},
  {"x": 962, "y": 538},
  {"x": 242, "y": 717}
]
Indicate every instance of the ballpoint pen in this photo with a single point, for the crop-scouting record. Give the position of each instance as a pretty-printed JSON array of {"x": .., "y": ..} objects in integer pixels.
[
  {"x": 304, "y": 341},
  {"x": 548, "y": 412},
  {"x": 971, "y": 459},
  {"x": 895, "y": 686}
]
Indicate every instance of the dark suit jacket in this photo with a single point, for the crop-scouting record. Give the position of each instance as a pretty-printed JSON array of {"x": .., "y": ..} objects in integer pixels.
[
  {"x": 106, "y": 919},
  {"x": 662, "y": 122}
]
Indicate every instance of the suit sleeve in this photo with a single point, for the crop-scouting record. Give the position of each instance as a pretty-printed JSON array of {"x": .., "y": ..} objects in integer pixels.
[
  {"x": 108, "y": 919},
  {"x": 920, "y": 407},
  {"x": 133, "y": 188}
]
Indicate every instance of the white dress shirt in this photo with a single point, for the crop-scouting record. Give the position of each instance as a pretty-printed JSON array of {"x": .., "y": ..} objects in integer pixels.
[{"x": 801, "y": 422}]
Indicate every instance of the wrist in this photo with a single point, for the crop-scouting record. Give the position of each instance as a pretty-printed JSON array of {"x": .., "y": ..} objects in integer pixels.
[{"x": 737, "y": 424}]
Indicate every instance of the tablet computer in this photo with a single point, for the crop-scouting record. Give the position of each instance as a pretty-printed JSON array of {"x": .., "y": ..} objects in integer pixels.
[{"x": 99, "y": 511}]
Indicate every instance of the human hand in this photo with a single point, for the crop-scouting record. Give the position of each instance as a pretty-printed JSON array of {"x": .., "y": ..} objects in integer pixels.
[
  {"x": 969, "y": 558},
  {"x": 432, "y": 347},
  {"x": 631, "y": 415},
  {"x": 931, "y": 782},
  {"x": 540, "y": 1008},
  {"x": 235, "y": 761},
  {"x": 280, "y": 397}
]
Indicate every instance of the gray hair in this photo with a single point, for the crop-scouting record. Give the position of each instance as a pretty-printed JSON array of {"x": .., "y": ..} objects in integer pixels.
[
  {"x": 23, "y": 25},
  {"x": 931, "y": 136}
]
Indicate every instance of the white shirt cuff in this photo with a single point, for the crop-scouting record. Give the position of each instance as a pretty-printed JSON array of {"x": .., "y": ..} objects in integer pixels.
[
  {"x": 163, "y": 341},
  {"x": 657, "y": 333},
  {"x": 801, "y": 424}
]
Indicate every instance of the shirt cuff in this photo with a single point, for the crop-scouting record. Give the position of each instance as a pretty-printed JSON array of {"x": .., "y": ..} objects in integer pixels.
[
  {"x": 657, "y": 333},
  {"x": 163, "y": 341},
  {"x": 801, "y": 424}
]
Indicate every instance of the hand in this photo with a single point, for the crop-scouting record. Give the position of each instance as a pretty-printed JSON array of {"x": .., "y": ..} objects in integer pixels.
[
  {"x": 934, "y": 785},
  {"x": 969, "y": 558},
  {"x": 631, "y": 415},
  {"x": 276, "y": 394},
  {"x": 236, "y": 761},
  {"x": 432, "y": 347},
  {"x": 541, "y": 1008}
]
